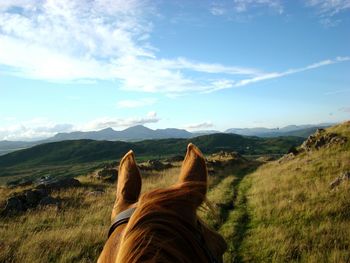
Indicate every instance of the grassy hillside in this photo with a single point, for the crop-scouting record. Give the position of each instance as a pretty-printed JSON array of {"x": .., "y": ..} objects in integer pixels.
[
  {"x": 80, "y": 151},
  {"x": 287, "y": 212},
  {"x": 72, "y": 158},
  {"x": 282, "y": 211}
]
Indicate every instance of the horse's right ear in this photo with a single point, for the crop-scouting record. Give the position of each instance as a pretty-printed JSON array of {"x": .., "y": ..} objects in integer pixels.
[{"x": 194, "y": 170}]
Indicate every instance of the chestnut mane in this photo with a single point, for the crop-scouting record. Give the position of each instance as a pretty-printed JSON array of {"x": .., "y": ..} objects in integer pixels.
[{"x": 157, "y": 233}]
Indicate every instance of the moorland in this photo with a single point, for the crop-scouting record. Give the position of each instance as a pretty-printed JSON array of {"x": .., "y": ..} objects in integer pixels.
[{"x": 283, "y": 199}]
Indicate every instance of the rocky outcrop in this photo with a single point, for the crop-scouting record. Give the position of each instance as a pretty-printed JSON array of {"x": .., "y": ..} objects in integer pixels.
[
  {"x": 154, "y": 165},
  {"x": 223, "y": 158},
  {"x": 322, "y": 139},
  {"x": 105, "y": 174},
  {"x": 21, "y": 202},
  {"x": 49, "y": 184},
  {"x": 37, "y": 196}
]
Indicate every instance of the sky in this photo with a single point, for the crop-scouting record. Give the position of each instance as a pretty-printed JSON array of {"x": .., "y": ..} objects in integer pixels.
[{"x": 68, "y": 65}]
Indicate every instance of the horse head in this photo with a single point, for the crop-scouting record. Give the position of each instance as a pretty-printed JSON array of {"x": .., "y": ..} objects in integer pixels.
[{"x": 162, "y": 225}]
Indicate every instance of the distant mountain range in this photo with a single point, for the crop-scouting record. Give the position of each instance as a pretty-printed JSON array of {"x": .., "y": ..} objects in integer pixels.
[
  {"x": 139, "y": 133},
  {"x": 291, "y": 130}
]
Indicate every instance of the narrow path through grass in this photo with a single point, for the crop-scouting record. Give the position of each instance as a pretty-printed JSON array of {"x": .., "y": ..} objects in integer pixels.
[{"x": 231, "y": 218}]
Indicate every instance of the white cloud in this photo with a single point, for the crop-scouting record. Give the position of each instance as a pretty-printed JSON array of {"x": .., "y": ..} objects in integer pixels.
[
  {"x": 201, "y": 125},
  {"x": 41, "y": 128},
  {"x": 118, "y": 123},
  {"x": 245, "y": 5},
  {"x": 218, "y": 9},
  {"x": 84, "y": 41},
  {"x": 328, "y": 10},
  {"x": 136, "y": 103},
  {"x": 75, "y": 40},
  {"x": 329, "y": 7},
  {"x": 35, "y": 129}
]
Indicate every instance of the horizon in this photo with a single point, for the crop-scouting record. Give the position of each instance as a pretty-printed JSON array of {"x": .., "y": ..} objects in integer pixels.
[
  {"x": 197, "y": 65},
  {"x": 197, "y": 132}
]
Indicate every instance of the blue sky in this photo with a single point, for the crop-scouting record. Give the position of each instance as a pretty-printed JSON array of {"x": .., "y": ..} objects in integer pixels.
[{"x": 86, "y": 65}]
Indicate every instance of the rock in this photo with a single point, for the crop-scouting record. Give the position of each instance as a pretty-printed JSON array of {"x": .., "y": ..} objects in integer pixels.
[
  {"x": 33, "y": 197},
  {"x": 322, "y": 139},
  {"x": 106, "y": 174},
  {"x": 154, "y": 165},
  {"x": 13, "y": 205},
  {"x": 55, "y": 184},
  {"x": 343, "y": 177},
  {"x": 223, "y": 158}
]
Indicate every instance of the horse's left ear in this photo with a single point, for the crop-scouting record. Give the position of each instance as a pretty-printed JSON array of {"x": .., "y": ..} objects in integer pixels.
[
  {"x": 129, "y": 179},
  {"x": 194, "y": 170},
  {"x": 128, "y": 185}
]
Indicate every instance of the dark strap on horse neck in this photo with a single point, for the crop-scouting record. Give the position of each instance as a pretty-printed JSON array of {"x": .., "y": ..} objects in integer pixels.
[{"x": 121, "y": 218}]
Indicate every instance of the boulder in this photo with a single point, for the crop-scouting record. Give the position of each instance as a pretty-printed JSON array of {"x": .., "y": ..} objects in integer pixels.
[
  {"x": 105, "y": 174},
  {"x": 56, "y": 184},
  {"x": 224, "y": 158},
  {"x": 154, "y": 165}
]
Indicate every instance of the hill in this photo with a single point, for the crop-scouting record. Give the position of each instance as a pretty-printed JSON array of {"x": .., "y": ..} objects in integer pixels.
[
  {"x": 290, "y": 130},
  {"x": 296, "y": 209},
  {"x": 135, "y": 133},
  {"x": 78, "y": 151},
  {"x": 66, "y": 155},
  {"x": 140, "y": 132}
]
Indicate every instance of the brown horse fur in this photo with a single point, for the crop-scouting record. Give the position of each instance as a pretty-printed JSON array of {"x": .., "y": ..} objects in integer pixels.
[{"x": 160, "y": 228}]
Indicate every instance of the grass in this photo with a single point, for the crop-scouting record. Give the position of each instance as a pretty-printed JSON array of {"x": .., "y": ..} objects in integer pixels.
[
  {"x": 293, "y": 214},
  {"x": 278, "y": 212},
  {"x": 74, "y": 233}
]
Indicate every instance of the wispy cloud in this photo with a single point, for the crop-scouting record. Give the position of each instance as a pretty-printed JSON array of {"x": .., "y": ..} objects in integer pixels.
[
  {"x": 201, "y": 125},
  {"x": 136, "y": 103},
  {"x": 345, "y": 109},
  {"x": 118, "y": 123},
  {"x": 328, "y": 10},
  {"x": 329, "y": 7},
  {"x": 245, "y": 5},
  {"x": 218, "y": 9},
  {"x": 226, "y": 84}
]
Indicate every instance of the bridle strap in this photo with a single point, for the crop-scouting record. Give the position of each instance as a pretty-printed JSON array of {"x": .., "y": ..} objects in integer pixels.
[{"x": 121, "y": 218}]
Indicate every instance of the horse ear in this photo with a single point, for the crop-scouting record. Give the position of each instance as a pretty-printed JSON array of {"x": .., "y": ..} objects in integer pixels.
[
  {"x": 194, "y": 170},
  {"x": 129, "y": 180}
]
